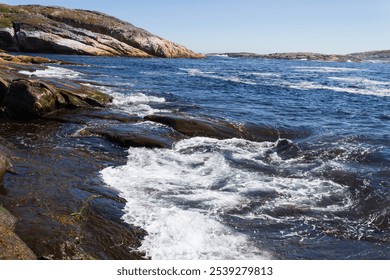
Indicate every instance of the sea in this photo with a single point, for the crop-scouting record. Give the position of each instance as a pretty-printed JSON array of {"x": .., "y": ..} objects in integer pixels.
[{"x": 318, "y": 189}]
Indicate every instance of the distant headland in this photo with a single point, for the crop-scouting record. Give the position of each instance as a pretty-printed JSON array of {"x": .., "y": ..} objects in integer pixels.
[{"x": 353, "y": 57}]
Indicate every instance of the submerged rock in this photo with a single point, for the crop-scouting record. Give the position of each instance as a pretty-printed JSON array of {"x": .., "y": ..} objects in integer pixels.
[
  {"x": 197, "y": 127},
  {"x": 138, "y": 135},
  {"x": 193, "y": 127}
]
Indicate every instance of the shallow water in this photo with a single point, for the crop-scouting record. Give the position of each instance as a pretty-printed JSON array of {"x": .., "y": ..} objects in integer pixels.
[{"x": 321, "y": 190}]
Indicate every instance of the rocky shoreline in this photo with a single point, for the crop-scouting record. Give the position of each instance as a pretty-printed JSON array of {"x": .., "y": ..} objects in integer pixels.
[
  {"x": 58, "y": 211},
  {"x": 55, "y": 138}
]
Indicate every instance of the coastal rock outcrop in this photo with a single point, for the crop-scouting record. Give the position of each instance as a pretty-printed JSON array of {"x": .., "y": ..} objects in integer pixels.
[
  {"x": 25, "y": 98},
  {"x": 58, "y": 30},
  {"x": 373, "y": 55}
]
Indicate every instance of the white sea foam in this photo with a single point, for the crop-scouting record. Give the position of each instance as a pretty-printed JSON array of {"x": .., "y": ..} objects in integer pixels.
[
  {"x": 365, "y": 90},
  {"x": 324, "y": 69},
  {"x": 218, "y": 55},
  {"x": 179, "y": 196},
  {"x": 266, "y": 74},
  {"x": 361, "y": 81},
  {"x": 138, "y": 104},
  {"x": 213, "y": 75},
  {"x": 135, "y": 98},
  {"x": 53, "y": 72}
]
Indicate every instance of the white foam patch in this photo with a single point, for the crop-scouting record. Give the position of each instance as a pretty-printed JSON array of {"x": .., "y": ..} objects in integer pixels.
[
  {"x": 53, "y": 72},
  {"x": 179, "y": 196},
  {"x": 266, "y": 74},
  {"x": 365, "y": 90},
  {"x": 324, "y": 69},
  {"x": 360, "y": 81},
  {"x": 137, "y": 103},
  {"x": 135, "y": 98},
  {"x": 213, "y": 75}
]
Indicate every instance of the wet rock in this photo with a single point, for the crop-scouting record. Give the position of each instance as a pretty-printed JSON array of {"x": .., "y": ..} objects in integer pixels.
[
  {"x": 22, "y": 98},
  {"x": 193, "y": 127},
  {"x": 64, "y": 210},
  {"x": 138, "y": 135},
  {"x": 262, "y": 132},
  {"x": 29, "y": 99},
  {"x": 11, "y": 246}
]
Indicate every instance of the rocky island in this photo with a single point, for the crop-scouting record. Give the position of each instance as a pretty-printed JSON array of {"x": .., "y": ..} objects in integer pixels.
[
  {"x": 296, "y": 56},
  {"x": 353, "y": 57}
]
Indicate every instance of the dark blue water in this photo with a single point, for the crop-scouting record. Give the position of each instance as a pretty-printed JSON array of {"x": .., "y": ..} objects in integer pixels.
[{"x": 320, "y": 191}]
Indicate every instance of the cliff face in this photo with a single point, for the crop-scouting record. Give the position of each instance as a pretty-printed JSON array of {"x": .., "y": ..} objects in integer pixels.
[{"x": 59, "y": 30}]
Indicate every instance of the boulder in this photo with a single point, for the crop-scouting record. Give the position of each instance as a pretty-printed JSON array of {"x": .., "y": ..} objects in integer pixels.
[
  {"x": 7, "y": 40},
  {"x": 29, "y": 99}
]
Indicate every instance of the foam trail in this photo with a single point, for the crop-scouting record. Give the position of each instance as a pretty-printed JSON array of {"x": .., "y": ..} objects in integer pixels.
[
  {"x": 136, "y": 103},
  {"x": 179, "y": 196},
  {"x": 53, "y": 72},
  {"x": 365, "y": 89},
  {"x": 213, "y": 75},
  {"x": 324, "y": 69}
]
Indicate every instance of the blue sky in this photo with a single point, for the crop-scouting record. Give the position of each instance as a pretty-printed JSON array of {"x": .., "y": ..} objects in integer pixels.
[{"x": 261, "y": 26}]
